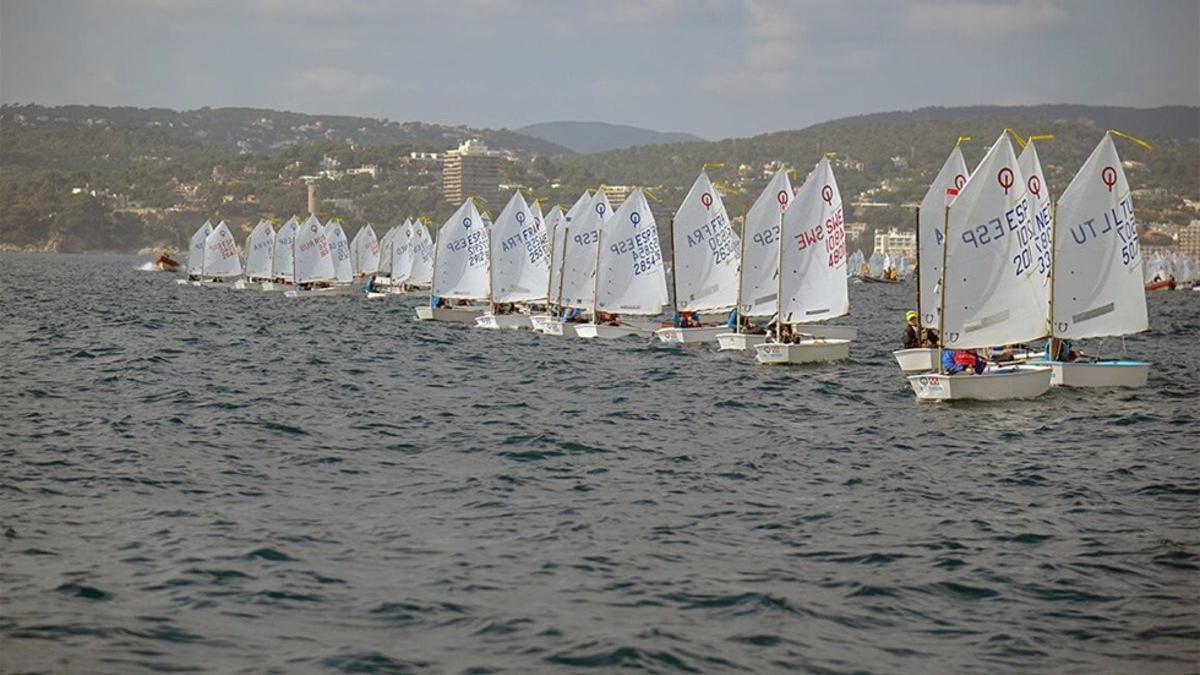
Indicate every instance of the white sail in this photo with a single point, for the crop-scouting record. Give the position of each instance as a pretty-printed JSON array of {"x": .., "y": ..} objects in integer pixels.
[
  {"x": 462, "y": 256},
  {"x": 552, "y": 224},
  {"x": 421, "y": 244},
  {"x": 539, "y": 223},
  {"x": 855, "y": 264},
  {"x": 364, "y": 251},
  {"x": 314, "y": 260},
  {"x": 707, "y": 251},
  {"x": 579, "y": 258},
  {"x": 814, "y": 285},
  {"x": 876, "y": 264},
  {"x": 402, "y": 253},
  {"x": 385, "y": 250},
  {"x": 560, "y": 242},
  {"x": 519, "y": 269},
  {"x": 285, "y": 240},
  {"x": 993, "y": 294},
  {"x": 221, "y": 256},
  {"x": 339, "y": 249},
  {"x": 931, "y": 236},
  {"x": 1038, "y": 194},
  {"x": 195, "y": 263},
  {"x": 761, "y": 261},
  {"x": 260, "y": 247},
  {"x": 1098, "y": 285},
  {"x": 632, "y": 279}
]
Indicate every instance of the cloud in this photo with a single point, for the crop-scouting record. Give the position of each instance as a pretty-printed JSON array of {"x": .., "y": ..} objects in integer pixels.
[
  {"x": 337, "y": 82},
  {"x": 983, "y": 20}
]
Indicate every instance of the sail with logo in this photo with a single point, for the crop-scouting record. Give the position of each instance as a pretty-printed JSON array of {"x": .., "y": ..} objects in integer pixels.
[
  {"x": 364, "y": 252},
  {"x": 1097, "y": 289},
  {"x": 519, "y": 272},
  {"x": 461, "y": 268},
  {"x": 195, "y": 263},
  {"x": 260, "y": 247},
  {"x": 339, "y": 249},
  {"x": 1040, "y": 204},
  {"x": 221, "y": 256},
  {"x": 812, "y": 275},
  {"x": 312, "y": 261},
  {"x": 384, "y": 274},
  {"x": 579, "y": 256},
  {"x": 552, "y": 225},
  {"x": 283, "y": 262},
  {"x": 631, "y": 279},
  {"x": 758, "y": 285},
  {"x": 421, "y": 244},
  {"x": 991, "y": 291},
  {"x": 559, "y": 248}
]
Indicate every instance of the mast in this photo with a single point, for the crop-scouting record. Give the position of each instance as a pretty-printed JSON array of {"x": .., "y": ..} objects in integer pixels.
[
  {"x": 942, "y": 296},
  {"x": 1051, "y": 347},
  {"x": 549, "y": 263},
  {"x": 920, "y": 318},
  {"x": 596, "y": 273},
  {"x": 491, "y": 270},
  {"x": 779, "y": 285},
  {"x": 295, "y": 277},
  {"x": 737, "y": 317},
  {"x": 433, "y": 279},
  {"x": 675, "y": 277},
  {"x": 562, "y": 267}
]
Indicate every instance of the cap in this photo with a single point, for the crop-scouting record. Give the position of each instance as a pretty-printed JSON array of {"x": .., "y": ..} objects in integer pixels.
[{"x": 909, "y": 315}]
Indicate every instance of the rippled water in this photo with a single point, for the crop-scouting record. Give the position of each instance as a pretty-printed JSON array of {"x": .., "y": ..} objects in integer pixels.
[{"x": 196, "y": 479}]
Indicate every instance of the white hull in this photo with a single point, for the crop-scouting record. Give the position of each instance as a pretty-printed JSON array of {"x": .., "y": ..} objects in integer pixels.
[
  {"x": 1098, "y": 373},
  {"x": 828, "y": 332},
  {"x": 994, "y": 385},
  {"x": 183, "y": 282},
  {"x": 244, "y": 285},
  {"x": 538, "y": 322},
  {"x": 739, "y": 341},
  {"x": 690, "y": 336},
  {"x": 386, "y": 294},
  {"x": 344, "y": 289},
  {"x": 561, "y": 328},
  {"x": 503, "y": 321},
  {"x": 465, "y": 314},
  {"x": 276, "y": 287},
  {"x": 591, "y": 330},
  {"x": 916, "y": 360},
  {"x": 805, "y": 351}
]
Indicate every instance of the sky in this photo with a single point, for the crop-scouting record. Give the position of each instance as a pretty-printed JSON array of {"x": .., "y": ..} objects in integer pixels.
[{"x": 717, "y": 68}]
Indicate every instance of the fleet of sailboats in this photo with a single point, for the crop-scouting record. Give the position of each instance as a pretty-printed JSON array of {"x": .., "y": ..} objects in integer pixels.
[{"x": 999, "y": 263}]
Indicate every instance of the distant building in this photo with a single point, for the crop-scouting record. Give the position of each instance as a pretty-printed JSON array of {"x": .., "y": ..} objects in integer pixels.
[
  {"x": 371, "y": 170},
  {"x": 617, "y": 194},
  {"x": 894, "y": 242},
  {"x": 471, "y": 171},
  {"x": 1189, "y": 239},
  {"x": 312, "y": 199}
]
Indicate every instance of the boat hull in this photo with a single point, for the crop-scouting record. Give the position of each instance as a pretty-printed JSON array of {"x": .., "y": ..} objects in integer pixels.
[
  {"x": 244, "y": 285},
  {"x": 916, "y": 360},
  {"x": 328, "y": 291},
  {"x": 689, "y": 336},
  {"x": 503, "y": 321},
  {"x": 605, "y": 331},
  {"x": 450, "y": 314},
  {"x": 1131, "y": 374},
  {"x": 1017, "y": 382},
  {"x": 560, "y": 328},
  {"x": 728, "y": 342},
  {"x": 805, "y": 351}
]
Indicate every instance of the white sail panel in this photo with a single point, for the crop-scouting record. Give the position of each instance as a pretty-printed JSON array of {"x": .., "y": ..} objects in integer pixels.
[
  {"x": 421, "y": 244},
  {"x": 221, "y": 256},
  {"x": 814, "y": 285},
  {"x": 195, "y": 264},
  {"x": 314, "y": 261},
  {"x": 1098, "y": 285},
  {"x": 993, "y": 294},
  {"x": 761, "y": 262},
  {"x": 364, "y": 251},
  {"x": 402, "y": 253},
  {"x": 579, "y": 258},
  {"x": 386, "y": 248},
  {"x": 519, "y": 269},
  {"x": 260, "y": 248},
  {"x": 557, "y": 254},
  {"x": 632, "y": 278},
  {"x": 462, "y": 256},
  {"x": 931, "y": 224},
  {"x": 1038, "y": 194},
  {"x": 705, "y": 259},
  {"x": 552, "y": 224},
  {"x": 339, "y": 249},
  {"x": 285, "y": 240}
]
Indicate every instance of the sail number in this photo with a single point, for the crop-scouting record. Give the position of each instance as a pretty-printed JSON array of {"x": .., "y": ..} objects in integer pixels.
[
  {"x": 642, "y": 248},
  {"x": 1119, "y": 221},
  {"x": 832, "y": 232},
  {"x": 717, "y": 234}
]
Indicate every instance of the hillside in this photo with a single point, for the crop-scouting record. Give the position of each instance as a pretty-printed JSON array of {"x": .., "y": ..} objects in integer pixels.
[{"x": 589, "y": 137}]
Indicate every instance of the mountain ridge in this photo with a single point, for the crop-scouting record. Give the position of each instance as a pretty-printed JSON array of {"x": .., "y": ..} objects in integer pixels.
[{"x": 592, "y": 137}]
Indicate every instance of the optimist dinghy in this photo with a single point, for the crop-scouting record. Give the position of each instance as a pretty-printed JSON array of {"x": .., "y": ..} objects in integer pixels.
[
  {"x": 222, "y": 261},
  {"x": 630, "y": 278},
  {"x": 312, "y": 261},
  {"x": 460, "y": 269},
  {"x": 519, "y": 268},
  {"x": 992, "y": 292},
  {"x": 811, "y": 284},
  {"x": 195, "y": 263},
  {"x": 577, "y": 278},
  {"x": 260, "y": 249}
]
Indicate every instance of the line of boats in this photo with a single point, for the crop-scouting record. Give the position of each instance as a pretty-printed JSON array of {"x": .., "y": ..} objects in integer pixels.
[{"x": 998, "y": 263}]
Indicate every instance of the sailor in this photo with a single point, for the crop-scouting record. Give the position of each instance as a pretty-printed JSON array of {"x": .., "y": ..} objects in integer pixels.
[
  {"x": 962, "y": 361},
  {"x": 371, "y": 284},
  {"x": 912, "y": 330},
  {"x": 1058, "y": 349}
]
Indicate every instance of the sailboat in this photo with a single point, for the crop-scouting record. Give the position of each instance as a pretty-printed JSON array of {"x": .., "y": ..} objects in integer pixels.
[
  {"x": 991, "y": 292},
  {"x": 460, "y": 268},
  {"x": 343, "y": 270},
  {"x": 551, "y": 323},
  {"x": 812, "y": 284},
  {"x": 397, "y": 262},
  {"x": 577, "y": 283},
  {"x": 705, "y": 256},
  {"x": 260, "y": 247},
  {"x": 195, "y": 263},
  {"x": 364, "y": 252},
  {"x": 552, "y": 225},
  {"x": 312, "y": 261},
  {"x": 630, "y": 277},
  {"x": 281, "y": 257},
  {"x": 930, "y": 216},
  {"x": 518, "y": 269},
  {"x": 757, "y": 284},
  {"x": 383, "y": 276},
  {"x": 1096, "y": 287},
  {"x": 421, "y": 244},
  {"x": 222, "y": 259}
]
